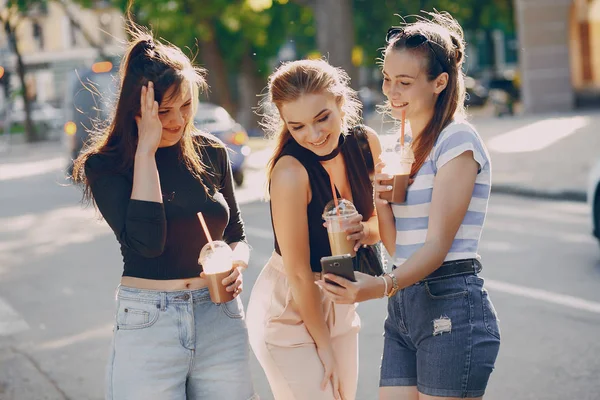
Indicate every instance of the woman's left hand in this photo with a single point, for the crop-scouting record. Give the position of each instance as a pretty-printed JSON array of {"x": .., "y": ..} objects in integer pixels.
[
  {"x": 234, "y": 282},
  {"x": 356, "y": 230},
  {"x": 349, "y": 292}
]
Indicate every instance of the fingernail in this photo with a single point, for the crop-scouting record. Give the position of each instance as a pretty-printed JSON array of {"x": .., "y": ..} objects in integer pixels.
[{"x": 389, "y": 187}]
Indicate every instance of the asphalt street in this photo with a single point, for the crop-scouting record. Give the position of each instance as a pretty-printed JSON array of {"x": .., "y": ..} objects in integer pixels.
[{"x": 60, "y": 265}]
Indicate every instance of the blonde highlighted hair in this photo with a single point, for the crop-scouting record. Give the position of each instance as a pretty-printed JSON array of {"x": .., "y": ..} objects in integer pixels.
[{"x": 296, "y": 78}]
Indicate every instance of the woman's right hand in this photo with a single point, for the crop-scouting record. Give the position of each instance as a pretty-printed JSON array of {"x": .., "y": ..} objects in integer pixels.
[
  {"x": 149, "y": 125},
  {"x": 377, "y": 186},
  {"x": 331, "y": 373}
]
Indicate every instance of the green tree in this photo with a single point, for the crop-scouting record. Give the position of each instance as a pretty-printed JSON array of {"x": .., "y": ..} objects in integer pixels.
[
  {"x": 235, "y": 40},
  {"x": 372, "y": 19},
  {"x": 11, "y": 18},
  {"x": 335, "y": 31}
]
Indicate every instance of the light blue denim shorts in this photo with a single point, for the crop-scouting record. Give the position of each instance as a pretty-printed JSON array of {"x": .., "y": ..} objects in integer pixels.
[
  {"x": 178, "y": 345},
  {"x": 441, "y": 336}
]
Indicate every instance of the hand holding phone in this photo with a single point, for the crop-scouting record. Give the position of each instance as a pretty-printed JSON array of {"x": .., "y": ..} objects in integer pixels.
[{"x": 338, "y": 265}]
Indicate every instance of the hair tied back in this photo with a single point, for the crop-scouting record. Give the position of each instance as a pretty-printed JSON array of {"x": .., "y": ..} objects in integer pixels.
[{"x": 149, "y": 44}]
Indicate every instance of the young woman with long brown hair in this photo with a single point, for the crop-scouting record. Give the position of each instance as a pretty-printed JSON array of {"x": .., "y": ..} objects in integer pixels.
[
  {"x": 149, "y": 173},
  {"x": 441, "y": 332}
]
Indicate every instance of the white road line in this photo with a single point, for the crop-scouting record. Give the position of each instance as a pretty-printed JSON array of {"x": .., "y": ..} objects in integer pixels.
[
  {"x": 537, "y": 136},
  {"x": 10, "y": 320},
  {"x": 104, "y": 331},
  {"x": 27, "y": 169},
  {"x": 543, "y": 295}
]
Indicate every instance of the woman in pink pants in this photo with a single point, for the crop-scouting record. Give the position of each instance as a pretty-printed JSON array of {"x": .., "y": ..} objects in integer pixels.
[{"x": 306, "y": 344}]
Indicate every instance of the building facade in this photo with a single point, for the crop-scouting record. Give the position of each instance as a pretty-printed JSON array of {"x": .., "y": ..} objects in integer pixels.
[
  {"x": 559, "y": 54},
  {"x": 52, "y": 46}
]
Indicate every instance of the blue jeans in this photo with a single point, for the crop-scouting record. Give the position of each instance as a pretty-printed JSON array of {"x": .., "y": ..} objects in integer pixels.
[
  {"x": 441, "y": 336},
  {"x": 178, "y": 345}
]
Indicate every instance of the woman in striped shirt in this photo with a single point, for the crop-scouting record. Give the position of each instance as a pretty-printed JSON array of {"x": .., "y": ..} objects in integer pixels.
[{"x": 441, "y": 332}]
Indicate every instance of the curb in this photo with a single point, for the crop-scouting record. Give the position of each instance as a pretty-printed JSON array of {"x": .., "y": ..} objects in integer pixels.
[{"x": 567, "y": 195}]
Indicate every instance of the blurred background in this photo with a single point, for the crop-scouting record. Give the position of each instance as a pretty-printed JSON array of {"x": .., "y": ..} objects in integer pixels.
[{"x": 533, "y": 83}]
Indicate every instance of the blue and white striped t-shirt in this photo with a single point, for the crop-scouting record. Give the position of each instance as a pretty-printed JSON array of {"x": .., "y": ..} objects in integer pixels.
[{"x": 412, "y": 217}]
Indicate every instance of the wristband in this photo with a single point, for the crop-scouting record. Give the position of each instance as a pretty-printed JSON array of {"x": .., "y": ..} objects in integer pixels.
[{"x": 385, "y": 291}]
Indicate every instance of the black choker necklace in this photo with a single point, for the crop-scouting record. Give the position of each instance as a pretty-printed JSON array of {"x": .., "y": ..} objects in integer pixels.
[{"x": 335, "y": 152}]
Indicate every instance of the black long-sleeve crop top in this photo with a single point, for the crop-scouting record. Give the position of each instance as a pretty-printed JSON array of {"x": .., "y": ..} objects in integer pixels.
[{"x": 163, "y": 240}]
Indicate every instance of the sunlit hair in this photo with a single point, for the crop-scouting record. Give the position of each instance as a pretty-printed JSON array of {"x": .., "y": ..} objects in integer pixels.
[
  {"x": 145, "y": 60},
  {"x": 444, "y": 54},
  {"x": 294, "y": 79}
]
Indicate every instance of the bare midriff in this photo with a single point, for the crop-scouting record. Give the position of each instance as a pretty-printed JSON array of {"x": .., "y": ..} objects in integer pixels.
[{"x": 171, "y": 285}]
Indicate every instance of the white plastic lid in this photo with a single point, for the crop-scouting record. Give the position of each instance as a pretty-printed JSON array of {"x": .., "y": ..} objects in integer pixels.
[
  {"x": 345, "y": 208},
  {"x": 216, "y": 258}
]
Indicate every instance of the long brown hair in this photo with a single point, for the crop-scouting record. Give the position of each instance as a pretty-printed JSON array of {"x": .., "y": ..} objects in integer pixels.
[
  {"x": 294, "y": 79},
  {"x": 444, "y": 53},
  {"x": 145, "y": 60}
]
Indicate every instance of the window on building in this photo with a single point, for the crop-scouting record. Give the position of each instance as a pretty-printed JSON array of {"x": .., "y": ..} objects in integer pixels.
[{"x": 38, "y": 35}]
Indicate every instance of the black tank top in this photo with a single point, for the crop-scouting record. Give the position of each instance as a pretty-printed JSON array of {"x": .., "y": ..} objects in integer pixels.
[{"x": 359, "y": 165}]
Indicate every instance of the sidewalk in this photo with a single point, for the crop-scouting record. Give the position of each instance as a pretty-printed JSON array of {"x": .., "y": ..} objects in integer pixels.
[
  {"x": 546, "y": 156},
  {"x": 21, "y": 379}
]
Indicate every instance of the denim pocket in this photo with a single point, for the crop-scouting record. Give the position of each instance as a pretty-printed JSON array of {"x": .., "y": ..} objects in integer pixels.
[
  {"x": 446, "y": 288},
  {"x": 133, "y": 314},
  {"x": 395, "y": 312},
  {"x": 490, "y": 318},
  {"x": 233, "y": 308}
]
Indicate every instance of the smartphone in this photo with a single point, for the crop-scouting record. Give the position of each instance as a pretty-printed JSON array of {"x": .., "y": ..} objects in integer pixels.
[{"x": 338, "y": 265}]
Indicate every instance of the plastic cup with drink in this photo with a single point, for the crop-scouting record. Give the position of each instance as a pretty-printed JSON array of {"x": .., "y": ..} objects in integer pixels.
[
  {"x": 217, "y": 263},
  {"x": 398, "y": 163},
  {"x": 398, "y": 160},
  {"x": 216, "y": 258},
  {"x": 338, "y": 214}
]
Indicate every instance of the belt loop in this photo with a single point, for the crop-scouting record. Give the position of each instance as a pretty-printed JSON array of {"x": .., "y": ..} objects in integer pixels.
[
  {"x": 163, "y": 301},
  {"x": 478, "y": 266}
]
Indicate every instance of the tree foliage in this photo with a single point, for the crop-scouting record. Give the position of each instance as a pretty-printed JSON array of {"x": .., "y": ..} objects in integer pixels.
[
  {"x": 10, "y": 18},
  {"x": 373, "y": 18}
]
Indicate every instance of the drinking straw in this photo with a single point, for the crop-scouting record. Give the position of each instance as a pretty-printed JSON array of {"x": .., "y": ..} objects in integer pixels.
[
  {"x": 402, "y": 128},
  {"x": 335, "y": 200},
  {"x": 206, "y": 232}
]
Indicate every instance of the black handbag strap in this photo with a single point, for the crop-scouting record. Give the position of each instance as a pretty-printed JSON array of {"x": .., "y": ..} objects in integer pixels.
[{"x": 365, "y": 148}]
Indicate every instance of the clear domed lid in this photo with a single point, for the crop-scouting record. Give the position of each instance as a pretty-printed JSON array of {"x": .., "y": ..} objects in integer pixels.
[
  {"x": 344, "y": 208},
  {"x": 215, "y": 255}
]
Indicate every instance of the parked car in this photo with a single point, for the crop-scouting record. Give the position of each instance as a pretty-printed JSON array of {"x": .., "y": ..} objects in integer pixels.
[
  {"x": 477, "y": 93},
  {"x": 92, "y": 93},
  {"x": 593, "y": 198},
  {"x": 216, "y": 120},
  {"x": 88, "y": 100}
]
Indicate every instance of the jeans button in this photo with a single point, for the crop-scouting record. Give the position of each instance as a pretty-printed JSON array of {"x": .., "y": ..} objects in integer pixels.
[{"x": 186, "y": 297}]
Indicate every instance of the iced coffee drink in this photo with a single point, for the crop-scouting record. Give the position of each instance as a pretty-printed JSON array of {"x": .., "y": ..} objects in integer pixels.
[
  {"x": 338, "y": 219},
  {"x": 217, "y": 264},
  {"x": 398, "y": 163}
]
